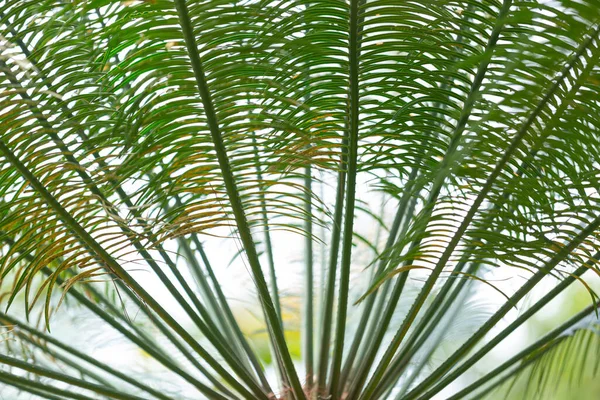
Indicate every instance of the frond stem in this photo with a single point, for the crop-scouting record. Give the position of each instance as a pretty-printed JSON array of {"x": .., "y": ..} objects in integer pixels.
[
  {"x": 530, "y": 284},
  {"x": 342, "y": 310},
  {"x": 526, "y": 353},
  {"x": 236, "y": 204},
  {"x": 426, "y": 289},
  {"x": 122, "y": 274}
]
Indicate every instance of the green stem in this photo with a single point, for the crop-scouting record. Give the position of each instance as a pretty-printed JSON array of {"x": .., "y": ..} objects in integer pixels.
[
  {"x": 148, "y": 342},
  {"x": 430, "y": 282},
  {"x": 436, "y": 311},
  {"x": 83, "y": 370},
  {"x": 148, "y": 346},
  {"x": 48, "y": 272},
  {"x": 526, "y": 353},
  {"x": 230, "y": 318},
  {"x": 490, "y": 323},
  {"x": 122, "y": 274},
  {"x": 217, "y": 340},
  {"x": 367, "y": 314},
  {"x": 219, "y": 305},
  {"x": 435, "y": 191},
  {"x": 321, "y": 286},
  {"x": 236, "y": 203},
  {"x": 437, "y": 338},
  {"x": 99, "y": 389},
  {"x": 308, "y": 281},
  {"x": 155, "y": 353},
  {"x": 56, "y": 357},
  {"x": 328, "y": 298},
  {"x": 39, "y": 389},
  {"x": 74, "y": 352},
  {"x": 267, "y": 233},
  {"x": 353, "y": 53},
  {"x": 521, "y": 367},
  {"x": 207, "y": 327},
  {"x": 270, "y": 259}
]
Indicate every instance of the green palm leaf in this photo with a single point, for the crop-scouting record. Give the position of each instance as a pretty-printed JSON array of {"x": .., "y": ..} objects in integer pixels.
[{"x": 171, "y": 169}]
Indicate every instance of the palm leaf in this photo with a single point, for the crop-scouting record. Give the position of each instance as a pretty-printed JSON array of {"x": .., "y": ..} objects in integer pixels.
[{"x": 429, "y": 147}]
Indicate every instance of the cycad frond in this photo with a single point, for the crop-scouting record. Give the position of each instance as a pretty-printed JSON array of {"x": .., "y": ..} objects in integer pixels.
[{"x": 145, "y": 144}]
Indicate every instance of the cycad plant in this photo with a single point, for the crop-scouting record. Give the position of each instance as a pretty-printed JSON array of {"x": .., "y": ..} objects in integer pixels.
[{"x": 409, "y": 182}]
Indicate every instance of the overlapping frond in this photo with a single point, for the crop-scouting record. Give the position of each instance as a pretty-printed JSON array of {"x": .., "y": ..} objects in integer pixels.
[{"x": 134, "y": 133}]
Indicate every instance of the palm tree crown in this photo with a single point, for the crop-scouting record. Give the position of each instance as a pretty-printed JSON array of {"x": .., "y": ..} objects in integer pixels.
[{"x": 403, "y": 157}]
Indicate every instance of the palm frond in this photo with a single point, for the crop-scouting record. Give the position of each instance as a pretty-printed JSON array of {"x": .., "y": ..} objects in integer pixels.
[{"x": 430, "y": 149}]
